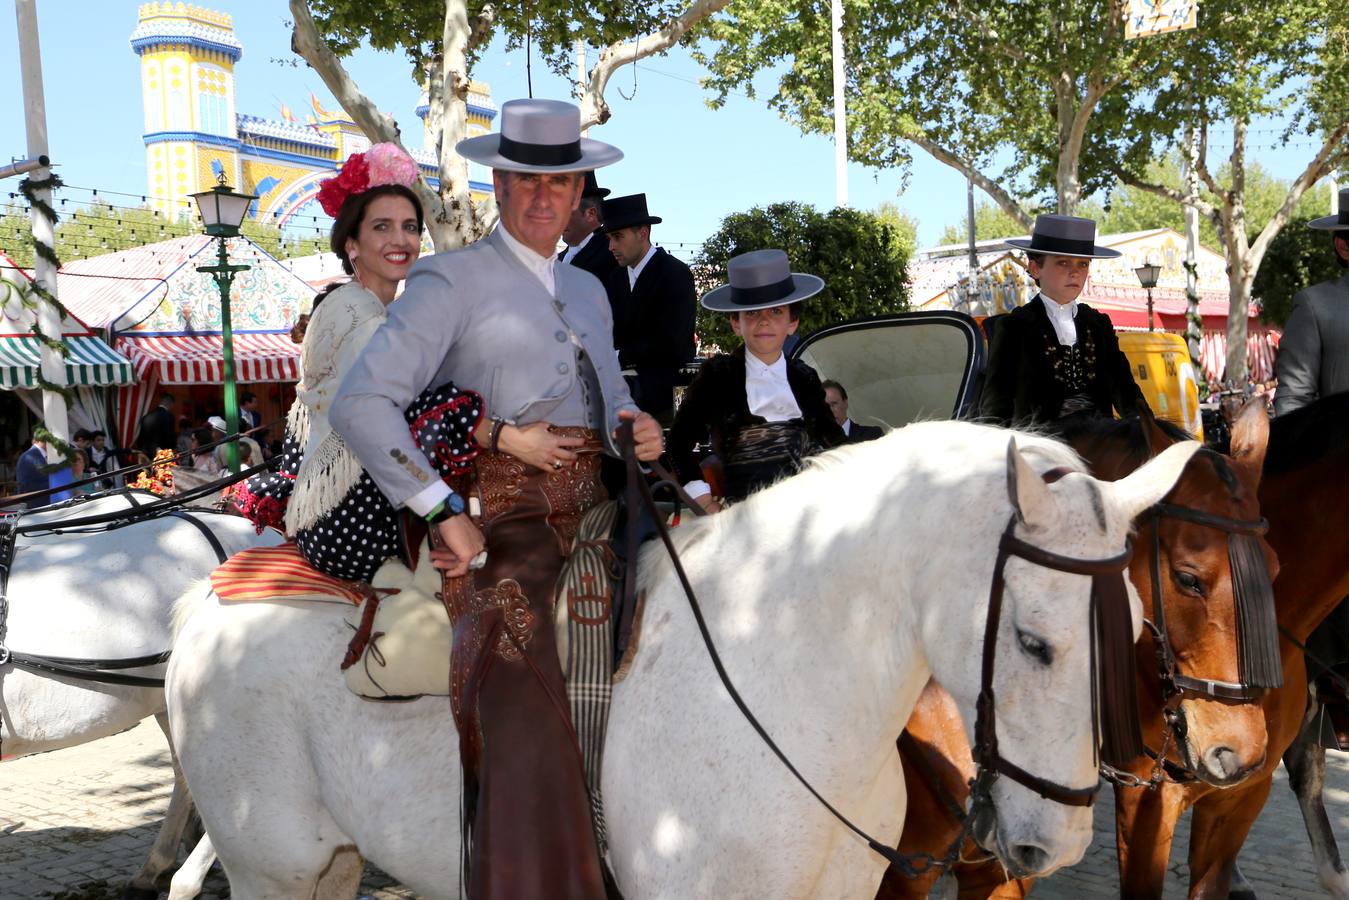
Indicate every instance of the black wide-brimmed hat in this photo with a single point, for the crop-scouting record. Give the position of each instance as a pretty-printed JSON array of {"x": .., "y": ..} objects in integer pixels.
[
  {"x": 761, "y": 279},
  {"x": 593, "y": 189},
  {"x": 539, "y": 136},
  {"x": 1337, "y": 222},
  {"x": 626, "y": 212},
  {"x": 1063, "y": 236}
]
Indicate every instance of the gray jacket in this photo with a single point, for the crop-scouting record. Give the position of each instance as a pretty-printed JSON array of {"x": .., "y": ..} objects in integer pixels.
[
  {"x": 1314, "y": 351},
  {"x": 477, "y": 317}
]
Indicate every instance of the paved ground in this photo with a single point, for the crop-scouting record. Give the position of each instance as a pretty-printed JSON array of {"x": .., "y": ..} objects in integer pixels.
[{"x": 77, "y": 823}]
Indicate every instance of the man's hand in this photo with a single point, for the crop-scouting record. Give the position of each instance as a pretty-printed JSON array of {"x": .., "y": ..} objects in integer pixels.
[
  {"x": 646, "y": 432},
  {"x": 708, "y": 503},
  {"x": 539, "y": 446},
  {"x": 460, "y": 541}
]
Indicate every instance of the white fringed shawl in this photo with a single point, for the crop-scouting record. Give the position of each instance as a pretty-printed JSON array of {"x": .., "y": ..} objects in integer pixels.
[{"x": 338, "y": 332}]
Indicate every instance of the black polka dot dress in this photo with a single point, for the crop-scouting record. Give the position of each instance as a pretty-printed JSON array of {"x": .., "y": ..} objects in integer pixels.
[{"x": 355, "y": 538}]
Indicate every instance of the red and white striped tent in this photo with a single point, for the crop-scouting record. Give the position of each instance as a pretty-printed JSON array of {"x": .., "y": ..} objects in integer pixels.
[{"x": 164, "y": 316}]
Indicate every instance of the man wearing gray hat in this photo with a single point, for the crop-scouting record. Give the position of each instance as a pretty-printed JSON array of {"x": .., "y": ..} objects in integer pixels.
[
  {"x": 1314, "y": 351},
  {"x": 506, "y": 318},
  {"x": 1055, "y": 357}
]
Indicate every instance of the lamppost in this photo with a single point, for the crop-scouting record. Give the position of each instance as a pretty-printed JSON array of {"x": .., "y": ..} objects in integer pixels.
[
  {"x": 222, "y": 214},
  {"x": 1147, "y": 276}
]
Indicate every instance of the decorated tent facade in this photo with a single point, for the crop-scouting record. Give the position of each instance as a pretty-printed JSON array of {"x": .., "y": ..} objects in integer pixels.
[
  {"x": 164, "y": 316},
  {"x": 939, "y": 275}
]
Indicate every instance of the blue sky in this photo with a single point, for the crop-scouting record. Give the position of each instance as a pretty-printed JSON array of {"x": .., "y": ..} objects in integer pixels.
[{"x": 696, "y": 165}]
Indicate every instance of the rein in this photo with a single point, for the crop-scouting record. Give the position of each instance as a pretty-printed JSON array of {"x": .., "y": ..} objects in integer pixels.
[{"x": 989, "y": 763}]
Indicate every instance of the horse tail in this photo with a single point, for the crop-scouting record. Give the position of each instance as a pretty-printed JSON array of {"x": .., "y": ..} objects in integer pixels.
[{"x": 192, "y": 599}]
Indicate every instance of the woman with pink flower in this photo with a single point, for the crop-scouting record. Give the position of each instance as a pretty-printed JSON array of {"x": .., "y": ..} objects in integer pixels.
[{"x": 340, "y": 521}]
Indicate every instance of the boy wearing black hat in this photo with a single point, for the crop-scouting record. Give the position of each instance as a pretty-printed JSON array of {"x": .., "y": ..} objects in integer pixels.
[
  {"x": 1055, "y": 357},
  {"x": 762, "y": 414},
  {"x": 654, "y": 304}
]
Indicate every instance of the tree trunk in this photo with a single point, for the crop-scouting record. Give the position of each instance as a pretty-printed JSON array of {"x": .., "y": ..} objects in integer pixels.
[
  {"x": 455, "y": 223},
  {"x": 1240, "y": 275}
]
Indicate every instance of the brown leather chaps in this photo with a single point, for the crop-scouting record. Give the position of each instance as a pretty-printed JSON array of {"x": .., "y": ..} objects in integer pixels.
[{"x": 524, "y": 781}]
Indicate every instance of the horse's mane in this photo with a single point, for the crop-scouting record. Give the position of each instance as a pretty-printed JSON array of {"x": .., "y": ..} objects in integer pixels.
[{"x": 1307, "y": 435}]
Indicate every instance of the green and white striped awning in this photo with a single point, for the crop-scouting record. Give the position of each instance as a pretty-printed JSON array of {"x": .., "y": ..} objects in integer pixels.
[{"x": 91, "y": 362}]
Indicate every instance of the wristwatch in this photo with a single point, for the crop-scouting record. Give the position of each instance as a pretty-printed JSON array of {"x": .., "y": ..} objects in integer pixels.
[{"x": 452, "y": 506}]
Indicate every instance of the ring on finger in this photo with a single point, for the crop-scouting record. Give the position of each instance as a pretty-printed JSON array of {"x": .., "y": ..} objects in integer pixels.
[{"x": 557, "y": 464}]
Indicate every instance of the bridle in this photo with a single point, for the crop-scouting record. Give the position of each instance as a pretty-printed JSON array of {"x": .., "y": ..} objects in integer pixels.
[{"x": 1257, "y": 637}]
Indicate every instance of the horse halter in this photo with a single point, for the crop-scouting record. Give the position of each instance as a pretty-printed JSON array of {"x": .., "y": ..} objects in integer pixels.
[
  {"x": 1114, "y": 695},
  {"x": 1258, "y": 661}
]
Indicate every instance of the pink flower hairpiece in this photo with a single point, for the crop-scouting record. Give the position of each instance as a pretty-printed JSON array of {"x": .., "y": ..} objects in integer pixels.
[{"x": 385, "y": 163}]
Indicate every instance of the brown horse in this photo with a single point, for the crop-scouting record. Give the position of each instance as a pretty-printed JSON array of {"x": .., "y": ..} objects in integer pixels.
[{"x": 1221, "y": 743}]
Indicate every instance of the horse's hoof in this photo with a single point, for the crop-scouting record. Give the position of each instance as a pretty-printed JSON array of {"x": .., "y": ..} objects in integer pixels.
[{"x": 139, "y": 893}]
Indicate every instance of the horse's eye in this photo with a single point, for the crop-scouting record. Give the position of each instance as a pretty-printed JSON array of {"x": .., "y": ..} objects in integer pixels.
[
  {"x": 1035, "y": 648},
  {"x": 1188, "y": 582}
]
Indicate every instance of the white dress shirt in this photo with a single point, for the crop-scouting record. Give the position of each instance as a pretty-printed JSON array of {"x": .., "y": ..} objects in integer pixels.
[
  {"x": 571, "y": 252},
  {"x": 847, "y": 427},
  {"x": 635, "y": 272},
  {"x": 540, "y": 266},
  {"x": 1061, "y": 316},
  {"x": 769, "y": 395}
]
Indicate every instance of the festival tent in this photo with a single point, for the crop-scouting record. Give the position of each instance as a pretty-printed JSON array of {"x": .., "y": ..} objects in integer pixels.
[
  {"x": 91, "y": 365},
  {"x": 164, "y": 316},
  {"x": 939, "y": 274}
]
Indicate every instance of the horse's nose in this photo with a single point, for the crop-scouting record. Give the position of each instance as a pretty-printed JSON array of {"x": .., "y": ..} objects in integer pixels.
[
  {"x": 1027, "y": 859},
  {"x": 1226, "y": 767}
]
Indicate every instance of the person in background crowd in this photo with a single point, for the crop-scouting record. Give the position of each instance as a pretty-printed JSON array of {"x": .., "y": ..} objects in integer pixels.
[
  {"x": 82, "y": 438},
  {"x": 587, "y": 247},
  {"x": 204, "y": 460},
  {"x": 222, "y": 459},
  {"x": 762, "y": 414},
  {"x": 185, "y": 429},
  {"x": 249, "y": 417},
  {"x": 1055, "y": 357},
  {"x": 654, "y": 303},
  {"x": 837, "y": 398},
  {"x": 157, "y": 428},
  {"x": 1314, "y": 350},
  {"x": 29, "y": 471}
]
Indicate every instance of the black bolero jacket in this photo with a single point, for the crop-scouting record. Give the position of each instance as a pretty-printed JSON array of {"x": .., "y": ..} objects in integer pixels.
[
  {"x": 715, "y": 405},
  {"x": 1019, "y": 383}
]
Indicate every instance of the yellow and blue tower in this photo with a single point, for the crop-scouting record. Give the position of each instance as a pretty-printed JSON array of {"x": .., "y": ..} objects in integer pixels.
[{"x": 193, "y": 133}]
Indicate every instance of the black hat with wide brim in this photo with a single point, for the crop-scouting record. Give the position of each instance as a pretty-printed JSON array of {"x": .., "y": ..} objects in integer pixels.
[
  {"x": 1337, "y": 222},
  {"x": 625, "y": 212},
  {"x": 539, "y": 136},
  {"x": 761, "y": 279},
  {"x": 1063, "y": 236},
  {"x": 592, "y": 188}
]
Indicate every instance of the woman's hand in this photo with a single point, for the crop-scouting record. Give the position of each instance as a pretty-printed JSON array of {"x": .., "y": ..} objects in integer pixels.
[
  {"x": 537, "y": 445},
  {"x": 709, "y": 503}
]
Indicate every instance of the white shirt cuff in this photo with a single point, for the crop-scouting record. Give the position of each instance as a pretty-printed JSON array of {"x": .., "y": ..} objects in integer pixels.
[
  {"x": 696, "y": 489},
  {"x": 428, "y": 498}
]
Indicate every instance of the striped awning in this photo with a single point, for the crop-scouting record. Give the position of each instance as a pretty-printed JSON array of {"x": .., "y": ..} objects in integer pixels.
[
  {"x": 90, "y": 362},
  {"x": 200, "y": 358}
]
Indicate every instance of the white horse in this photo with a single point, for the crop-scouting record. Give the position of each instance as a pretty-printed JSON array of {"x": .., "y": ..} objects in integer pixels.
[
  {"x": 103, "y": 595},
  {"x": 832, "y": 596}
]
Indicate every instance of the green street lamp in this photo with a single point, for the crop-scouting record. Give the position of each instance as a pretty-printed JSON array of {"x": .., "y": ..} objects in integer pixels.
[
  {"x": 1148, "y": 273},
  {"x": 222, "y": 213}
]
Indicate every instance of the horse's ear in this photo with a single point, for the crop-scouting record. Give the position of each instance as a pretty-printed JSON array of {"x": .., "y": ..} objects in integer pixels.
[
  {"x": 1250, "y": 435},
  {"x": 1031, "y": 498},
  {"x": 1154, "y": 480}
]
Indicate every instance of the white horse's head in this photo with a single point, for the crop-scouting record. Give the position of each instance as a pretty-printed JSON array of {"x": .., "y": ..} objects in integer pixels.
[{"x": 1042, "y": 673}]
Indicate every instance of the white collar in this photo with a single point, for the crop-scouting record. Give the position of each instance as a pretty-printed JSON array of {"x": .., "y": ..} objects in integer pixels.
[
  {"x": 585, "y": 240},
  {"x": 540, "y": 266},
  {"x": 847, "y": 425},
  {"x": 1059, "y": 310},
  {"x": 776, "y": 369},
  {"x": 635, "y": 272}
]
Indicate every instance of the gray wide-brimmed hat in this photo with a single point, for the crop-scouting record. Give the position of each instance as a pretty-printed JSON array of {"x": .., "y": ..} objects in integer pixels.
[
  {"x": 539, "y": 136},
  {"x": 761, "y": 279},
  {"x": 1337, "y": 222},
  {"x": 1063, "y": 236}
]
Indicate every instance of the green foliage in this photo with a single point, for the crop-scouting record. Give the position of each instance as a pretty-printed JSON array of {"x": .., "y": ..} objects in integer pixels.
[
  {"x": 990, "y": 223},
  {"x": 16, "y": 234},
  {"x": 860, "y": 255},
  {"x": 905, "y": 226},
  {"x": 553, "y": 27},
  {"x": 1298, "y": 257}
]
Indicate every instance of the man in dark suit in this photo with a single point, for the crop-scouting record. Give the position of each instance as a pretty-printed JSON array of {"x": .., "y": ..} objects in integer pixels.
[
  {"x": 1314, "y": 352},
  {"x": 587, "y": 247},
  {"x": 1055, "y": 357},
  {"x": 837, "y": 397},
  {"x": 30, "y": 474},
  {"x": 157, "y": 428},
  {"x": 654, "y": 305}
]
